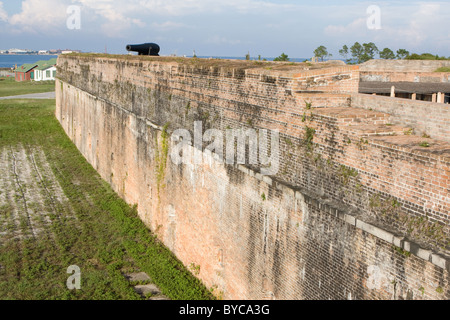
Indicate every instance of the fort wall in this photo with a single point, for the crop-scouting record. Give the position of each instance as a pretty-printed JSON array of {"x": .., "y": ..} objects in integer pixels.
[{"x": 357, "y": 210}]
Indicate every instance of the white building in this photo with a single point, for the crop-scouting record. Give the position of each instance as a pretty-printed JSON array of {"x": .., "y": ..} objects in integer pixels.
[
  {"x": 43, "y": 52},
  {"x": 45, "y": 74},
  {"x": 17, "y": 51},
  {"x": 46, "y": 70}
]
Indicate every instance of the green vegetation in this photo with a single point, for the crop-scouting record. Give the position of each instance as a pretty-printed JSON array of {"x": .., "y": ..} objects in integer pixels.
[
  {"x": 387, "y": 53},
  {"x": 308, "y": 105},
  {"x": 282, "y": 57},
  {"x": 399, "y": 250},
  {"x": 161, "y": 157},
  {"x": 422, "y": 290},
  {"x": 363, "y": 52},
  {"x": 94, "y": 229},
  {"x": 309, "y": 137},
  {"x": 9, "y": 87},
  {"x": 322, "y": 53},
  {"x": 344, "y": 52},
  {"x": 346, "y": 173},
  {"x": 425, "y": 56},
  {"x": 402, "y": 54},
  {"x": 443, "y": 69}
]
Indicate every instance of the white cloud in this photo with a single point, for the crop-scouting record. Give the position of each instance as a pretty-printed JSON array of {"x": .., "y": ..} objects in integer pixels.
[
  {"x": 39, "y": 15},
  {"x": 218, "y": 40},
  {"x": 414, "y": 25},
  {"x": 169, "y": 25},
  {"x": 357, "y": 26},
  {"x": 114, "y": 17},
  {"x": 3, "y": 14},
  {"x": 422, "y": 24},
  {"x": 186, "y": 7}
]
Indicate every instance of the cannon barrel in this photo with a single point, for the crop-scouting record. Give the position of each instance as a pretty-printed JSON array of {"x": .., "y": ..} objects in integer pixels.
[{"x": 145, "y": 49}]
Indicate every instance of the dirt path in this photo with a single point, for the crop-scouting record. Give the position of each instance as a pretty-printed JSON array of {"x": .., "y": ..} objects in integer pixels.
[
  {"x": 30, "y": 195},
  {"x": 45, "y": 95}
]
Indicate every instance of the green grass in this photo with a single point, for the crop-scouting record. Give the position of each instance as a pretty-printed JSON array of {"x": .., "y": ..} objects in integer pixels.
[
  {"x": 443, "y": 69},
  {"x": 9, "y": 87},
  {"x": 106, "y": 239}
]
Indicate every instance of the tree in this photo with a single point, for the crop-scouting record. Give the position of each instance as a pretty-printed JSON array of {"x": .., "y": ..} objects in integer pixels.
[
  {"x": 387, "y": 53},
  {"x": 344, "y": 52},
  {"x": 357, "y": 51},
  {"x": 247, "y": 56},
  {"x": 282, "y": 57},
  {"x": 321, "y": 53},
  {"x": 364, "y": 52},
  {"x": 425, "y": 56},
  {"x": 370, "y": 49},
  {"x": 402, "y": 54}
]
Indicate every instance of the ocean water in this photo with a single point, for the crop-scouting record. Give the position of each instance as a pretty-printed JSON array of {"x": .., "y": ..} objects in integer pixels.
[{"x": 9, "y": 61}]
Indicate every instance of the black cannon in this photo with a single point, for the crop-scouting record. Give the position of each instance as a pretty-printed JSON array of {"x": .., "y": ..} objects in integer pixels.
[{"x": 145, "y": 49}]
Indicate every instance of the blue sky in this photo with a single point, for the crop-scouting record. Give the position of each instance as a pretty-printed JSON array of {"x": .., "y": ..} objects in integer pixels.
[{"x": 225, "y": 27}]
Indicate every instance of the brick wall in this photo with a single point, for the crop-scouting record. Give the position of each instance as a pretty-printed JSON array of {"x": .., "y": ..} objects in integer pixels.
[
  {"x": 403, "y": 65},
  {"x": 411, "y": 76},
  {"x": 348, "y": 216},
  {"x": 425, "y": 117}
]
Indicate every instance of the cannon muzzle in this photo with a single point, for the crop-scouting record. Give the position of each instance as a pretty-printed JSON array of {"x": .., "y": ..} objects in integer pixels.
[{"x": 145, "y": 49}]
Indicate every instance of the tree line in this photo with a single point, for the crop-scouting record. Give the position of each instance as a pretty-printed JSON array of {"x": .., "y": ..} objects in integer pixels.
[{"x": 359, "y": 53}]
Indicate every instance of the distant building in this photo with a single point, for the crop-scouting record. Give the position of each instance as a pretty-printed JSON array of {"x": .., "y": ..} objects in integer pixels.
[
  {"x": 17, "y": 51},
  {"x": 407, "y": 79},
  {"x": 38, "y": 71},
  {"x": 46, "y": 70},
  {"x": 43, "y": 52},
  {"x": 25, "y": 72}
]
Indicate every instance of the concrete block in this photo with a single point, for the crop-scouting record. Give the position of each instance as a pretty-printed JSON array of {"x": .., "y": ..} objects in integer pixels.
[
  {"x": 398, "y": 241},
  {"x": 350, "y": 219},
  {"x": 244, "y": 169},
  {"x": 259, "y": 176},
  {"x": 299, "y": 196},
  {"x": 146, "y": 289},
  {"x": 267, "y": 180},
  {"x": 440, "y": 261},
  {"x": 140, "y": 276},
  {"x": 424, "y": 254},
  {"x": 375, "y": 231}
]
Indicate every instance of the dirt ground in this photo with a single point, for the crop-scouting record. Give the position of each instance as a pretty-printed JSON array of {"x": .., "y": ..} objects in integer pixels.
[{"x": 30, "y": 195}]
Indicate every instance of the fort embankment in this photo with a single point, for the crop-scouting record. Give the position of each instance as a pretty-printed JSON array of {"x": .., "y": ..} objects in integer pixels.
[{"x": 359, "y": 208}]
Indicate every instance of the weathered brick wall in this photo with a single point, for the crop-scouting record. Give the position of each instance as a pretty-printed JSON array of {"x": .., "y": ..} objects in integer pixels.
[
  {"x": 411, "y": 76},
  {"x": 403, "y": 65},
  {"x": 347, "y": 216},
  {"x": 425, "y": 117}
]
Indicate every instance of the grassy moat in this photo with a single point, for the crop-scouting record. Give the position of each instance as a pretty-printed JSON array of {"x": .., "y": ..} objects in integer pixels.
[
  {"x": 9, "y": 87},
  {"x": 56, "y": 211}
]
